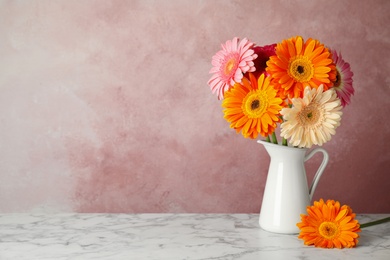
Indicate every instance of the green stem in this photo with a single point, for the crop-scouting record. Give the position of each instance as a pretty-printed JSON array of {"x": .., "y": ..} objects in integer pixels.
[
  {"x": 274, "y": 139},
  {"x": 284, "y": 141},
  {"x": 380, "y": 221},
  {"x": 267, "y": 139}
]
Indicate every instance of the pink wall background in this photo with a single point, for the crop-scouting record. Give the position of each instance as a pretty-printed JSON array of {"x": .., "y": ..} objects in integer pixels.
[{"x": 104, "y": 105}]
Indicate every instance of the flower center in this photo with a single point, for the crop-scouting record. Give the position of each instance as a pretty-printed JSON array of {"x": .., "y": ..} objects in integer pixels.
[
  {"x": 310, "y": 115},
  {"x": 230, "y": 65},
  {"x": 301, "y": 69},
  {"x": 328, "y": 230},
  {"x": 338, "y": 79},
  {"x": 254, "y": 104}
]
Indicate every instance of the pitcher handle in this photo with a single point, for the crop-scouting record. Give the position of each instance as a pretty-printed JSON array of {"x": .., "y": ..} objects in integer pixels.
[{"x": 320, "y": 170}]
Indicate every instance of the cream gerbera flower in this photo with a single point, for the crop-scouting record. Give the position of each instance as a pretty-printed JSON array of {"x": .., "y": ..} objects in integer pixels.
[{"x": 312, "y": 119}]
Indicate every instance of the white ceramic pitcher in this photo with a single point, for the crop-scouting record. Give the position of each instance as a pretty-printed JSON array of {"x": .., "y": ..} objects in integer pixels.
[{"x": 286, "y": 193}]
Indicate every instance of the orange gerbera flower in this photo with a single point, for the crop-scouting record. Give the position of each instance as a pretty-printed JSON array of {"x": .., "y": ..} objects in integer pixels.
[
  {"x": 328, "y": 225},
  {"x": 297, "y": 64},
  {"x": 253, "y": 106}
]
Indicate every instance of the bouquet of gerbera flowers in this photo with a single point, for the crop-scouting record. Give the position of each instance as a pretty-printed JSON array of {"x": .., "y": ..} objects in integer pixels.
[{"x": 300, "y": 85}]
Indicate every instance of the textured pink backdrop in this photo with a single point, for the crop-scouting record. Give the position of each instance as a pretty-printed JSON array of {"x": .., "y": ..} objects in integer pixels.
[{"x": 104, "y": 105}]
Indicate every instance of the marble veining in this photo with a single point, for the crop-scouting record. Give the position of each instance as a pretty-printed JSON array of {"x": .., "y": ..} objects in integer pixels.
[{"x": 168, "y": 236}]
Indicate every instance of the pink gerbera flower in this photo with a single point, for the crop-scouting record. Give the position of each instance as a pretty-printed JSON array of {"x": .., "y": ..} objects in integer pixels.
[
  {"x": 263, "y": 54},
  {"x": 230, "y": 63},
  {"x": 343, "y": 83}
]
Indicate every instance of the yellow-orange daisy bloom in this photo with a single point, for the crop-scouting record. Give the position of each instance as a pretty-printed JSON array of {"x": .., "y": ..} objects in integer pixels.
[
  {"x": 329, "y": 225},
  {"x": 252, "y": 107},
  {"x": 297, "y": 64}
]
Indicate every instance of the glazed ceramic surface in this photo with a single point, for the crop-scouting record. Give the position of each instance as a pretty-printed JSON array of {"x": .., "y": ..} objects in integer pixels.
[{"x": 286, "y": 193}]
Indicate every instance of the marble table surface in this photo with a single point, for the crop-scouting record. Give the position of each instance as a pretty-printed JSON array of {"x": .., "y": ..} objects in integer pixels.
[{"x": 169, "y": 236}]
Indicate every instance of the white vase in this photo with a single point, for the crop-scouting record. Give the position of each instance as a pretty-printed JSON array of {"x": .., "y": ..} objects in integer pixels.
[{"x": 286, "y": 193}]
